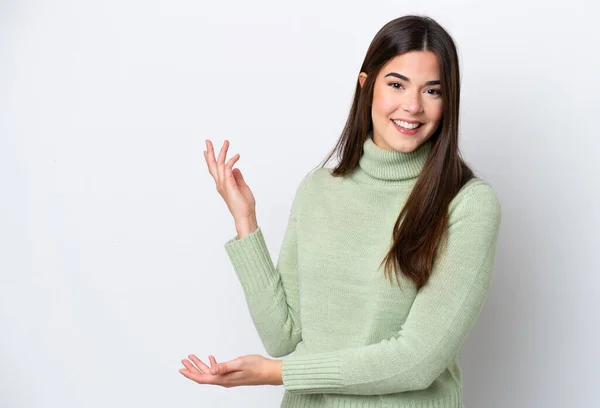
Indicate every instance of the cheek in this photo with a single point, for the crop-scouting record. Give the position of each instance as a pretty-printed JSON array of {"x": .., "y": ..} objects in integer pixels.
[
  {"x": 383, "y": 106},
  {"x": 435, "y": 111}
]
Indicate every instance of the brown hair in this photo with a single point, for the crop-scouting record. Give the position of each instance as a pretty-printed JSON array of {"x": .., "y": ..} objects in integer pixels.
[{"x": 425, "y": 214}]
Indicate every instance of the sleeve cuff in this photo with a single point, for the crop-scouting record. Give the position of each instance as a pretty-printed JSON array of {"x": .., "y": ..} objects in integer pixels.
[
  {"x": 312, "y": 374},
  {"x": 252, "y": 262}
]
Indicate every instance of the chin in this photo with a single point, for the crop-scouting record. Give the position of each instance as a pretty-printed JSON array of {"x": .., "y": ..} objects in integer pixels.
[{"x": 406, "y": 146}]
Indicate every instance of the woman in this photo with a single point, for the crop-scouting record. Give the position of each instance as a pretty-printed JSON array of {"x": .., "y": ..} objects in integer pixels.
[{"x": 400, "y": 204}]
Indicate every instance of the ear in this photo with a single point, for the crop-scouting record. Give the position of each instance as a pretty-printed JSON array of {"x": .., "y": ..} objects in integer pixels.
[{"x": 361, "y": 78}]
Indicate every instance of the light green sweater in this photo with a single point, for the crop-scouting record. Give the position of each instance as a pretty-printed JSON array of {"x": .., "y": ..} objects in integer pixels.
[{"x": 358, "y": 340}]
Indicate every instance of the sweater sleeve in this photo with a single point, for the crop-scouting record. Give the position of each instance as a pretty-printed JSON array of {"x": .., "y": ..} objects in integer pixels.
[
  {"x": 271, "y": 291},
  {"x": 442, "y": 314}
]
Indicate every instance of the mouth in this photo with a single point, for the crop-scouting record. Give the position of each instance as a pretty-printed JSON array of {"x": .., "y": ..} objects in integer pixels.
[{"x": 412, "y": 125}]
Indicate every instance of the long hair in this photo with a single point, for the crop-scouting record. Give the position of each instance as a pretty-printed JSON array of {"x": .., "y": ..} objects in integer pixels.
[{"x": 423, "y": 222}]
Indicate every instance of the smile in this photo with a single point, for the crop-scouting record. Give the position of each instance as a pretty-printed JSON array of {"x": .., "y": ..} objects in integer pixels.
[
  {"x": 407, "y": 125},
  {"x": 406, "y": 128}
]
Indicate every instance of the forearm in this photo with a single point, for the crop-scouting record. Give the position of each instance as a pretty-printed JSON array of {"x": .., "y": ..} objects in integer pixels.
[
  {"x": 271, "y": 309},
  {"x": 271, "y": 291}
]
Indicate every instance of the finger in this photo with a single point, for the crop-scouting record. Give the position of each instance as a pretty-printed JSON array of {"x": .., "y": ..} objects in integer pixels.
[
  {"x": 228, "y": 172},
  {"x": 194, "y": 376},
  {"x": 221, "y": 161},
  {"x": 239, "y": 178},
  {"x": 224, "y": 368},
  {"x": 199, "y": 363},
  {"x": 191, "y": 367},
  {"x": 212, "y": 360},
  {"x": 210, "y": 159},
  {"x": 232, "y": 161},
  {"x": 223, "y": 152}
]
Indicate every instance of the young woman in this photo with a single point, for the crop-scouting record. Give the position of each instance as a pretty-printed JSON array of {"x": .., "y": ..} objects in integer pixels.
[{"x": 387, "y": 258}]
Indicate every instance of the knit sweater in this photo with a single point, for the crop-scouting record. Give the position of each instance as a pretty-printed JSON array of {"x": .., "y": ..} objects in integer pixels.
[{"x": 360, "y": 341}]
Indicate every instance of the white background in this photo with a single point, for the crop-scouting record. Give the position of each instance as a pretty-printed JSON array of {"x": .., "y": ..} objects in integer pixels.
[{"x": 112, "y": 266}]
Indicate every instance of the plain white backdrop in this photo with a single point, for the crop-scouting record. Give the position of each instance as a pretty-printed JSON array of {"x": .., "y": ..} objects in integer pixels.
[{"x": 112, "y": 266}]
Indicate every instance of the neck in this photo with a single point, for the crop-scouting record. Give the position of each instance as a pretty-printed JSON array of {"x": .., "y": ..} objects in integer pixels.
[{"x": 382, "y": 167}]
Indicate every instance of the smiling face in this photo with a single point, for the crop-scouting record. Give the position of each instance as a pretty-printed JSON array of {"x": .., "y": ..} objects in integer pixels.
[{"x": 406, "y": 93}]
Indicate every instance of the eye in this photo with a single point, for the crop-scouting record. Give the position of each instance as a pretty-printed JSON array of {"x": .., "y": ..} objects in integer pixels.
[
  {"x": 436, "y": 92},
  {"x": 395, "y": 83}
]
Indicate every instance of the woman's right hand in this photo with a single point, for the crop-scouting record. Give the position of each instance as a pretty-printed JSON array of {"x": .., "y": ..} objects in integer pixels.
[{"x": 231, "y": 185}]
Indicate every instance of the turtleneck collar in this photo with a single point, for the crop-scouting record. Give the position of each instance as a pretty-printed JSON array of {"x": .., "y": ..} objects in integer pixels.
[{"x": 382, "y": 167}]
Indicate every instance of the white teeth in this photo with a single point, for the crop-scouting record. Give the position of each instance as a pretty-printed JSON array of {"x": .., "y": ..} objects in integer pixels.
[{"x": 406, "y": 125}]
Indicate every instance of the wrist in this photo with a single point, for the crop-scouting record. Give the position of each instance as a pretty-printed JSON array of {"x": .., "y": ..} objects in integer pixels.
[
  {"x": 246, "y": 226},
  {"x": 275, "y": 377}
]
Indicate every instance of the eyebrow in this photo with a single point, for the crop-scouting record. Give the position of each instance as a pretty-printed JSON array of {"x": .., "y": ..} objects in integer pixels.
[{"x": 395, "y": 74}]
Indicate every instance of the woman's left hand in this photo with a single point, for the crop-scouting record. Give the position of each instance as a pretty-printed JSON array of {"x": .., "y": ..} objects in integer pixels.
[{"x": 252, "y": 369}]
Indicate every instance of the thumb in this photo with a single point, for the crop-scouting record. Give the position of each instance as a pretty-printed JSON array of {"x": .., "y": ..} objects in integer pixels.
[
  {"x": 220, "y": 368},
  {"x": 239, "y": 178},
  {"x": 224, "y": 368}
]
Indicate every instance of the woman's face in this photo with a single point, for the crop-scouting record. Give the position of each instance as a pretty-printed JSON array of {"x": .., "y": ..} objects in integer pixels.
[{"x": 407, "y": 89}]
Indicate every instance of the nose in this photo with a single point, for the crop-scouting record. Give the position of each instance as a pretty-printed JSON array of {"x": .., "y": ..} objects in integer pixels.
[{"x": 412, "y": 102}]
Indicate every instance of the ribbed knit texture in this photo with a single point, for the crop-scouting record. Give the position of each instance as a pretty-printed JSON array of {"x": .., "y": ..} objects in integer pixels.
[{"x": 360, "y": 341}]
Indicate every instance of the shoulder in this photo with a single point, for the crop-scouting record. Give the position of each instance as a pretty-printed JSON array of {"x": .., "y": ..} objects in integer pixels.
[
  {"x": 476, "y": 199},
  {"x": 311, "y": 182},
  {"x": 317, "y": 179}
]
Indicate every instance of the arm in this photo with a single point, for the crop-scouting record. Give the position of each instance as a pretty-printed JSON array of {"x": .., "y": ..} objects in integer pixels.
[
  {"x": 271, "y": 292},
  {"x": 442, "y": 314}
]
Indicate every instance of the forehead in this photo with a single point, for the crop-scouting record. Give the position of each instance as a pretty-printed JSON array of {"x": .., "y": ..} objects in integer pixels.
[{"x": 420, "y": 65}]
